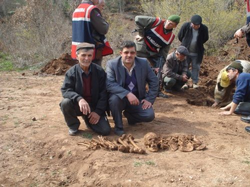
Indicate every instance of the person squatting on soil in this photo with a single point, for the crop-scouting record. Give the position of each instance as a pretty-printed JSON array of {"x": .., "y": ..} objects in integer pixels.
[
  {"x": 84, "y": 93},
  {"x": 175, "y": 71},
  {"x": 241, "y": 98},
  {"x": 224, "y": 87},
  {"x": 154, "y": 40},
  {"x": 89, "y": 26},
  {"x": 127, "y": 77},
  {"x": 193, "y": 35}
]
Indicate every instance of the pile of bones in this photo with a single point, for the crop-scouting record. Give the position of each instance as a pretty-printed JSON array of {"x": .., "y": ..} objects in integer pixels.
[{"x": 152, "y": 142}]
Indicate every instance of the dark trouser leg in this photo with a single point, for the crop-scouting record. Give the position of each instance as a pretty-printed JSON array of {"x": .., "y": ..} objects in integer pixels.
[
  {"x": 116, "y": 106},
  {"x": 157, "y": 62},
  {"x": 70, "y": 113},
  {"x": 136, "y": 114},
  {"x": 102, "y": 127},
  {"x": 248, "y": 34},
  {"x": 243, "y": 108}
]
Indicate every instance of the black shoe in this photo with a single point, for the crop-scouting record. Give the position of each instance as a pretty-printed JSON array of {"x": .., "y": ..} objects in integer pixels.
[
  {"x": 119, "y": 131},
  {"x": 245, "y": 119},
  {"x": 160, "y": 94},
  {"x": 247, "y": 128}
]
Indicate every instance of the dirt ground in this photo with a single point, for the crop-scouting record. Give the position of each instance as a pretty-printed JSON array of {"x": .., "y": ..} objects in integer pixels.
[{"x": 36, "y": 149}]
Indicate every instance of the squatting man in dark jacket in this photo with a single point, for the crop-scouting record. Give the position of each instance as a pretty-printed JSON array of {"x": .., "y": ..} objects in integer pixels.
[
  {"x": 84, "y": 93},
  {"x": 175, "y": 71}
]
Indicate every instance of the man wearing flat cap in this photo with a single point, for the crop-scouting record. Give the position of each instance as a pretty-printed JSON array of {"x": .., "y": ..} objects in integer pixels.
[
  {"x": 84, "y": 93},
  {"x": 154, "y": 40},
  {"x": 193, "y": 35},
  {"x": 241, "y": 98},
  {"x": 175, "y": 71}
]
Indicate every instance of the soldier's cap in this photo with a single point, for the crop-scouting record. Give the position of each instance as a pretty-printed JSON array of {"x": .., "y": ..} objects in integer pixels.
[
  {"x": 85, "y": 45},
  {"x": 182, "y": 50},
  {"x": 235, "y": 65},
  {"x": 224, "y": 80},
  {"x": 174, "y": 18}
]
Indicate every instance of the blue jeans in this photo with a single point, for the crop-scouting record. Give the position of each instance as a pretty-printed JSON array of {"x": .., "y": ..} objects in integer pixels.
[
  {"x": 243, "y": 108},
  {"x": 134, "y": 113},
  {"x": 195, "y": 66}
]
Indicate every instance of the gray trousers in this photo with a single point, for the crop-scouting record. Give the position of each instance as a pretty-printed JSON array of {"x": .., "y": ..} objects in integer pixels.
[
  {"x": 134, "y": 114},
  {"x": 71, "y": 111},
  {"x": 243, "y": 108}
]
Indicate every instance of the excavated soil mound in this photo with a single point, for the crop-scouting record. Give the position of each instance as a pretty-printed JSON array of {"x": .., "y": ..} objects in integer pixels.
[{"x": 59, "y": 66}]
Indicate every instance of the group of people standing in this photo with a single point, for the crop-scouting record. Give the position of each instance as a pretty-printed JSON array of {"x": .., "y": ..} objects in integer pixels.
[
  {"x": 154, "y": 40},
  {"x": 133, "y": 80}
]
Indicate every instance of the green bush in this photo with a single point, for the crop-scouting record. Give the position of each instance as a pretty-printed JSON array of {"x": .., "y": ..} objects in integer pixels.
[{"x": 5, "y": 63}]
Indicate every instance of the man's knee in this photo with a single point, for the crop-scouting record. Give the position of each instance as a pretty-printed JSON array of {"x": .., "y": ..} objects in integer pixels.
[
  {"x": 105, "y": 131},
  {"x": 114, "y": 101},
  {"x": 150, "y": 117},
  {"x": 243, "y": 108},
  {"x": 169, "y": 82},
  {"x": 104, "y": 126},
  {"x": 66, "y": 105}
]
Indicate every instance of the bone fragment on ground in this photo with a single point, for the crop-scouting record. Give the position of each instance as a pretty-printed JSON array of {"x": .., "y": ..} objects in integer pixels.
[{"x": 136, "y": 149}]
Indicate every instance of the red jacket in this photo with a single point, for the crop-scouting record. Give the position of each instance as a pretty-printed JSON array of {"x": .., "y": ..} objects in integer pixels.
[
  {"x": 155, "y": 38},
  {"x": 82, "y": 30}
]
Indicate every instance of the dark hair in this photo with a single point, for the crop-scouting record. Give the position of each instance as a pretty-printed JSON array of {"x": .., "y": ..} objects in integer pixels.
[
  {"x": 127, "y": 44},
  {"x": 240, "y": 70}
]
